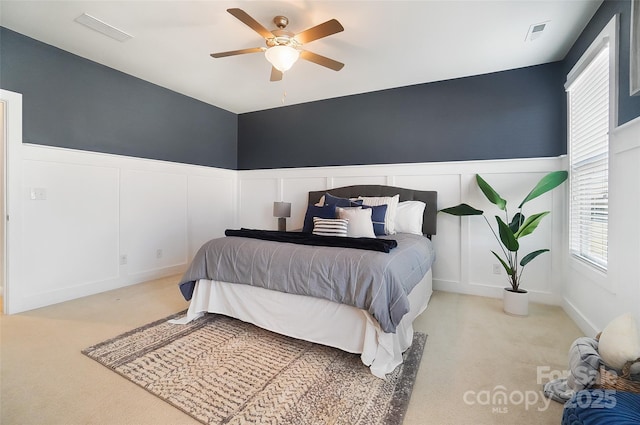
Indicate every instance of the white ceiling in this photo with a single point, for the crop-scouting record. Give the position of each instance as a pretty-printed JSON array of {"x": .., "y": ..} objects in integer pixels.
[{"x": 385, "y": 44}]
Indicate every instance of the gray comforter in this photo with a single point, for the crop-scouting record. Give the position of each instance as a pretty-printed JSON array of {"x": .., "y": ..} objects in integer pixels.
[{"x": 374, "y": 281}]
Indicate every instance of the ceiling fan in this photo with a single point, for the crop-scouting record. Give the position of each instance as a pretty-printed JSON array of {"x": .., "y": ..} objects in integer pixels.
[{"x": 284, "y": 47}]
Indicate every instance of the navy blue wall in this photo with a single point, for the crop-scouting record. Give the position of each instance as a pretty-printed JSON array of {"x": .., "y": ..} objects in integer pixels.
[
  {"x": 628, "y": 106},
  {"x": 75, "y": 103},
  {"x": 510, "y": 114}
]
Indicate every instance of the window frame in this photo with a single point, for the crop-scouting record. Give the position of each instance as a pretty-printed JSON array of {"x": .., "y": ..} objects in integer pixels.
[{"x": 609, "y": 34}]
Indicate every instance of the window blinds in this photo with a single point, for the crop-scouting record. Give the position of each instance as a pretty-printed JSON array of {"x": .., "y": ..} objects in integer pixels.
[{"x": 588, "y": 103}]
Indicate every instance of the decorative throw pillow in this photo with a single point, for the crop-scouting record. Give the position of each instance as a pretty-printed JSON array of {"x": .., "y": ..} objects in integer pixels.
[
  {"x": 325, "y": 211},
  {"x": 330, "y": 226},
  {"x": 378, "y": 215},
  {"x": 329, "y": 199},
  {"x": 360, "y": 224},
  {"x": 409, "y": 216},
  {"x": 620, "y": 343},
  {"x": 392, "y": 205}
]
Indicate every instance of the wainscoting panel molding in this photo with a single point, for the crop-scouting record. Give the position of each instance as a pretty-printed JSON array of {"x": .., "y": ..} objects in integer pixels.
[
  {"x": 153, "y": 226},
  {"x": 70, "y": 228},
  {"x": 92, "y": 222},
  {"x": 464, "y": 261},
  {"x": 112, "y": 221}
]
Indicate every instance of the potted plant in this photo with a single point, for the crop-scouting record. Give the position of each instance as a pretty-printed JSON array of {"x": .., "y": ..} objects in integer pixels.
[{"x": 509, "y": 231}]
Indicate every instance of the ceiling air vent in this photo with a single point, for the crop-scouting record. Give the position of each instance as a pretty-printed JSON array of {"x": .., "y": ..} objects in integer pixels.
[
  {"x": 102, "y": 27},
  {"x": 535, "y": 31}
]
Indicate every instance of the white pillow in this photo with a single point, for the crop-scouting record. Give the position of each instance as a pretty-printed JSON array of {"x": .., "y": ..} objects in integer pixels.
[
  {"x": 392, "y": 206},
  {"x": 360, "y": 224},
  {"x": 620, "y": 343},
  {"x": 409, "y": 216},
  {"x": 330, "y": 226}
]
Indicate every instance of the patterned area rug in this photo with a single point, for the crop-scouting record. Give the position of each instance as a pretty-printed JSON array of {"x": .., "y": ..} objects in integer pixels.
[{"x": 223, "y": 371}]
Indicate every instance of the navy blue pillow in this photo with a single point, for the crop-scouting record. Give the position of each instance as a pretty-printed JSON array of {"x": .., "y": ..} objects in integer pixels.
[
  {"x": 326, "y": 211},
  {"x": 329, "y": 199},
  {"x": 377, "y": 217}
]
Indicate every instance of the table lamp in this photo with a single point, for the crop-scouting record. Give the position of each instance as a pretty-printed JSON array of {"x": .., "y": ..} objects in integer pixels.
[{"x": 282, "y": 210}]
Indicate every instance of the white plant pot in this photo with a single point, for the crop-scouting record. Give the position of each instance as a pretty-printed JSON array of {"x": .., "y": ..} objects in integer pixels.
[{"x": 515, "y": 303}]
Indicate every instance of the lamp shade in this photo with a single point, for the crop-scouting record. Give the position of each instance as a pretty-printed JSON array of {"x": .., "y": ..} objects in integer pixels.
[
  {"x": 282, "y": 209},
  {"x": 282, "y": 57}
]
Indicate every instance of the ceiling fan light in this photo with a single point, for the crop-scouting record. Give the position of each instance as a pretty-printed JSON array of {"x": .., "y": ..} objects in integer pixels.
[{"x": 282, "y": 57}]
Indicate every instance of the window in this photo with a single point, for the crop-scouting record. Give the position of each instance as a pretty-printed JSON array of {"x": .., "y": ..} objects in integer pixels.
[{"x": 591, "y": 97}]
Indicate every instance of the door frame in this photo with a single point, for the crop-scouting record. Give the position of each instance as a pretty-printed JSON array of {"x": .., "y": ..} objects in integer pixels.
[{"x": 12, "y": 211}]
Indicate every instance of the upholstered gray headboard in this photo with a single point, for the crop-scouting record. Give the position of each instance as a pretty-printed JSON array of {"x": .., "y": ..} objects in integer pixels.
[{"x": 428, "y": 197}]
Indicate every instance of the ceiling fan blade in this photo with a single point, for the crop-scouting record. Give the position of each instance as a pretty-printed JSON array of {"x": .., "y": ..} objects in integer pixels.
[
  {"x": 275, "y": 74},
  {"x": 319, "y": 31},
  {"x": 238, "y": 52},
  {"x": 250, "y": 22},
  {"x": 321, "y": 60}
]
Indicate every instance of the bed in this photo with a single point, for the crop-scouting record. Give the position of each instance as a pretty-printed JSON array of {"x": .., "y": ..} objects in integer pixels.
[{"x": 380, "y": 336}]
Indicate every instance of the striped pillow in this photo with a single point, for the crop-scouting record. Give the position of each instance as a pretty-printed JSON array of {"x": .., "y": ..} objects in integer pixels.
[{"x": 330, "y": 226}]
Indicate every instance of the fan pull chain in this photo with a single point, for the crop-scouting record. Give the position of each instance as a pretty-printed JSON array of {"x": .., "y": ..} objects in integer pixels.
[{"x": 284, "y": 97}]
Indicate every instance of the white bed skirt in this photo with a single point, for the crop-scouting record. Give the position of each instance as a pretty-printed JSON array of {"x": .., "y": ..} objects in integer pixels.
[{"x": 313, "y": 319}]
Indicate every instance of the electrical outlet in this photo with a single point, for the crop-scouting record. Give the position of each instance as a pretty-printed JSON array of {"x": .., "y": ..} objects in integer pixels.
[
  {"x": 158, "y": 253},
  {"x": 497, "y": 269},
  {"x": 123, "y": 259}
]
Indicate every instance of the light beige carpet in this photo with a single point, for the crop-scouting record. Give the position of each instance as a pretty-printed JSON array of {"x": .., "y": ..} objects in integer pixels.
[
  {"x": 473, "y": 348},
  {"x": 223, "y": 371}
]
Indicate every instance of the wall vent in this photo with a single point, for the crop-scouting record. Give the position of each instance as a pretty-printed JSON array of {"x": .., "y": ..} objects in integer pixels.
[{"x": 102, "y": 27}]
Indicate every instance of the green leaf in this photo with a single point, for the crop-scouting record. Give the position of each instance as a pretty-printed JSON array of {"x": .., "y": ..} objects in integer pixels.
[
  {"x": 462, "y": 210},
  {"x": 517, "y": 220},
  {"x": 491, "y": 194},
  {"x": 548, "y": 182},
  {"x": 504, "y": 264},
  {"x": 530, "y": 224},
  {"x": 531, "y": 256},
  {"x": 506, "y": 236}
]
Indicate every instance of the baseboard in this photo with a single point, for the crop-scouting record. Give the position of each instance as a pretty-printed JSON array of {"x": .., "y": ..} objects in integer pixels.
[
  {"x": 578, "y": 318},
  {"x": 460, "y": 288},
  {"x": 43, "y": 299},
  {"x": 493, "y": 291}
]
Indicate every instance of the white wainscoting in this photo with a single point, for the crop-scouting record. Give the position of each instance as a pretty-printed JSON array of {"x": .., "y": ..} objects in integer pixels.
[
  {"x": 464, "y": 261},
  {"x": 591, "y": 298},
  {"x": 93, "y": 209},
  {"x": 100, "y": 207}
]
